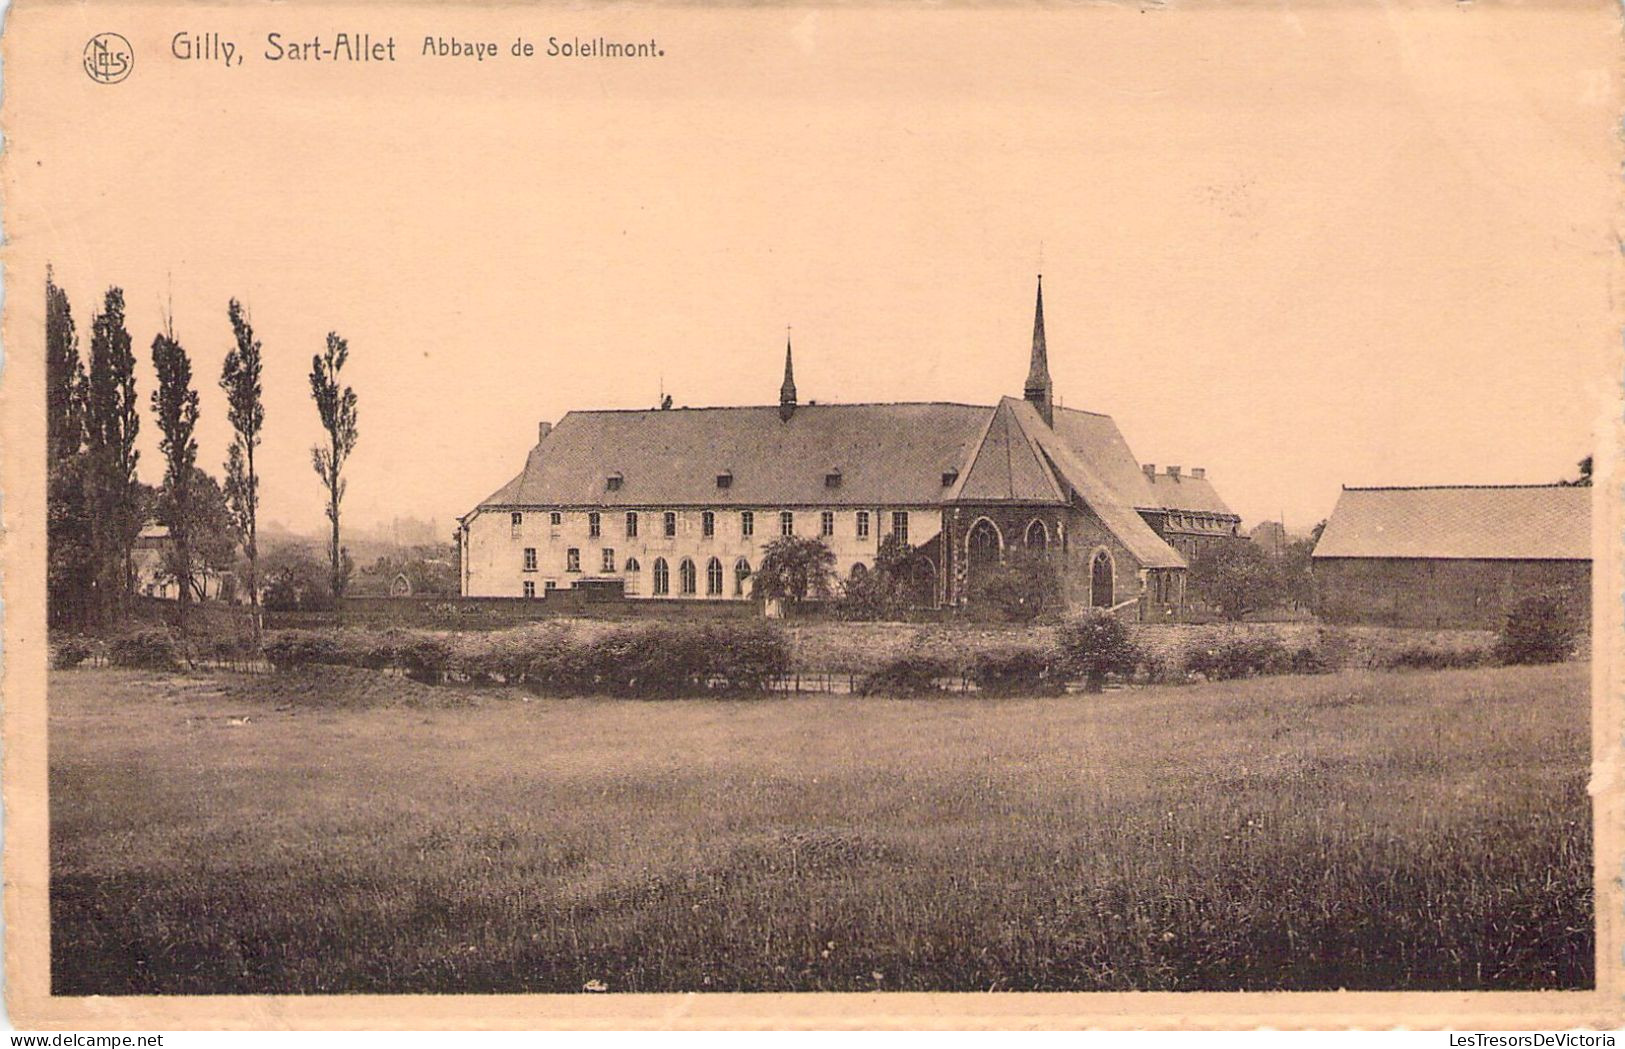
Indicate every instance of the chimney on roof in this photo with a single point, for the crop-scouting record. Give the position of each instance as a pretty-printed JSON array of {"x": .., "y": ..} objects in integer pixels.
[
  {"x": 1150, "y": 470},
  {"x": 1198, "y": 472},
  {"x": 1039, "y": 390},
  {"x": 1173, "y": 471},
  {"x": 542, "y": 430},
  {"x": 787, "y": 390}
]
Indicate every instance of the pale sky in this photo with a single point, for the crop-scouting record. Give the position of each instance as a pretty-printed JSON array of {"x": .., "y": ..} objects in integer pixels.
[{"x": 1301, "y": 247}]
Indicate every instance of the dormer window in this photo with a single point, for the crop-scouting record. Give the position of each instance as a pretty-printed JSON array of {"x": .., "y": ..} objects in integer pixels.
[
  {"x": 949, "y": 476},
  {"x": 612, "y": 483},
  {"x": 725, "y": 479},
  {"x": 832, "y": 479}
]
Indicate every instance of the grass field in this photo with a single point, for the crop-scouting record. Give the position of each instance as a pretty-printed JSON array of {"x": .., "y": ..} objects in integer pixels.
[{"x": 1361, "y": 830}]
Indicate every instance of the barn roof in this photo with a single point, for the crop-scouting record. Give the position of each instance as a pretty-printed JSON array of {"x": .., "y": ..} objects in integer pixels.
[{"x": 1523, "y": 522}]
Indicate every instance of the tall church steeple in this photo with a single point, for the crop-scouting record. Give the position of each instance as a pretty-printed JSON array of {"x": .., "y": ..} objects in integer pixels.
[
  {"x": 1039, "y": 390},
  {"x": 787, "y": 391}
]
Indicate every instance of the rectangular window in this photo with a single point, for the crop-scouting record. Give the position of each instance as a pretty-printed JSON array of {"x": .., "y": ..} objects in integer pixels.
[
  {"x": 708, "y": 524},
  {"x": 670, "y": 524},
  {"x": 747, "y": 523},
  {"x": 863, "y": 524},
  {"x": 826, "y": 523},
  {"x": 609, "y": 559},
  {"x": 551, "y": 584},
  {"x": 632, "y": 524},
  {"x": 530, "y": 588},
  {"x": 530, "y": 559},
  {"x": 572, "y": 560},
  {"x": 516, "y": 522},
  {"x": 555, "y": 518},
  {"x": 899, "y": 525},
  {"x": 595, "y": 525},
  {"x": 787, "y": 523}
]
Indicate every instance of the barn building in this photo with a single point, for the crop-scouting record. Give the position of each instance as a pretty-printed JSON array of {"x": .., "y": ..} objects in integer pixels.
[
  {"x": 1453, "y": 556},
  {"x": 681, "y": 503}
]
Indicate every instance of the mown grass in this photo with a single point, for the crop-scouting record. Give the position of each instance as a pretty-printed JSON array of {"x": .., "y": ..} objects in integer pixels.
[{"x": 1362, "y": 830}]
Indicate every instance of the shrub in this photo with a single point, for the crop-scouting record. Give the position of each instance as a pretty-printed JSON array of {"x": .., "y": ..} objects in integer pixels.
[
  {"x": 424, "y": 658},
  {"x": 298, "y": 649},
  {"x": 69, "y": 654},
  {"x": 1420, "y": 657},
  {"x": 1095, "y": 644},
  {"x": 1541, "y": 628},
  {"x": 1016, "y": 670},
  {"x": 1240, "y": 657},
  {"x": 1018, "y": 590},
  {"x": 910, "y": 674},
  {"x": 145, "y": 649},
  {"x": 748, "y": 657},
  {"x": 568, "y": 668}
]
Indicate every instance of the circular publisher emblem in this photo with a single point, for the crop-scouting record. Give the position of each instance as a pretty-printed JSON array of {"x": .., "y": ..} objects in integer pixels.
[{"x": 108, "y": 58}]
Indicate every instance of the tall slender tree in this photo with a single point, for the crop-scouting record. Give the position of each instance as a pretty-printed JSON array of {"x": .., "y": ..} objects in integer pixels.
[
  {"x": 336, "y": 405},
  {"x": 175, "y": 405},
  {"x": 71, "y": 564},
  {"x": 112, "y": 422},
  {"x": 240, "y": 378}
]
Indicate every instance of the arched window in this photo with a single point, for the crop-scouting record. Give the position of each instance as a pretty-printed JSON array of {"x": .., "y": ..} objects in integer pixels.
[
  {"x": 687, "y": 579},
  {"x": 741, "y": 573},
  {"x": 1100, "y": 580},
  {"x": 1037, "y": 535},
  {"x": 983, "y": 544},
  {"x": 662, "y": 577},
  {"x": 634, "y": 575},
  {"x": 859, "y": 570},
  {"x": 713, "y": 578}
]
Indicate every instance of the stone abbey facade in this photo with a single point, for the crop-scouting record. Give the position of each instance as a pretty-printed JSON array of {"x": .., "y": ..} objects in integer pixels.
[{"x": 680, "y": 504}]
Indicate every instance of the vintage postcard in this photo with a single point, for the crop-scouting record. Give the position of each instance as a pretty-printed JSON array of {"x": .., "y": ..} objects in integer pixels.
[{"x": 1050, "y": 515}]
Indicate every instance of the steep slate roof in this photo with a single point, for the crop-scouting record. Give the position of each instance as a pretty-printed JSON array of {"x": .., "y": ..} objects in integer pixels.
[
  {"x": 887, "y": 454},
  {"x": 1120, "y": 517},
  {"x": 1536, "y": 522},
  {"x": 1099, "y": 442},
  {"x": 1008, "y": 466},
  {"x": 1192, "y": 494}
]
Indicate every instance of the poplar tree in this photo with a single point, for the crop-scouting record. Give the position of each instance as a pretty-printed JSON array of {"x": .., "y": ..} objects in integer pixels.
[
  {"x": 112, "y": 422},
  {"x": 336, "y": 405},
  {"x": 71, "y": 564},
  {"x": 175, "y": 405},
  {"x": 240, "y": 378}
]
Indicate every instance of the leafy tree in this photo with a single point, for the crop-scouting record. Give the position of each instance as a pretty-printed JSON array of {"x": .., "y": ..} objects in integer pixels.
[
  {"x": 794, "y": 568},
  {"x": 240, "y": 378},
  {"x": 112, "y": 422},
  {"x": 1583, "y": 480},
  {"x": 203, "y": 516},
  {"x": 1235, "y": 578},
  {"x": 1018, "y": 589},
  {"x": 175, "y": 404},
  {"x": 71, "y": 556},
  {"x": 1094, "y": 644},
  {"x": 881, "y": 592},
  {"x": 1297, "y": 576},
  {"x": 337, "y": 407},
  {"x": 1316, "y": 532},
  {"x": 295, "y": 581},
  {"x": 1541, "y": 628}
]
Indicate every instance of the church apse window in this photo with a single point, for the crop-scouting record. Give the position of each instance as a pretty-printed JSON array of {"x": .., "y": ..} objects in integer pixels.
[
  {"x": 983, "y": 544},
  {"x": 687, "y": 577},
  {"x": 1037, "y": 536},
  {"x": 1101, "y": 585},
  {"x": 662, "y": 578},
  {"x": 713, "y": 578}
]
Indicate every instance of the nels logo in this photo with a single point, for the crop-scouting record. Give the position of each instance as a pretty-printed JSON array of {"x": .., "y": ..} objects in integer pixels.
[{"x": 108, "y": 58}]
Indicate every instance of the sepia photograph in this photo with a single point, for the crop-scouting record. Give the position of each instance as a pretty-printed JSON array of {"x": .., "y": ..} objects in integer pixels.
[{"x": 801, "y": 505}]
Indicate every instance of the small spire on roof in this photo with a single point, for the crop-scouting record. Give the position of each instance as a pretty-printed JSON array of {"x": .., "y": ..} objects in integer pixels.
[
  {"x": 787, "y": 391},
  {"x": 1039, "y": 390}
]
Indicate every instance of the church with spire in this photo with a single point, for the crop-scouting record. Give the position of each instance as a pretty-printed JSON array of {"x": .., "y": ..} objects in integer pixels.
[{"x": 680, "y": 504}]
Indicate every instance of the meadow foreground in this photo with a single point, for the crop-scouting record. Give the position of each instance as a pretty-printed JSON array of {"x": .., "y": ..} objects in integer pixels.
[{"x": 347, "y": 833}]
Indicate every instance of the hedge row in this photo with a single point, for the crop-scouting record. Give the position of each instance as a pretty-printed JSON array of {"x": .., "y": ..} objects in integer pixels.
[{"x": 644, "y": 659}]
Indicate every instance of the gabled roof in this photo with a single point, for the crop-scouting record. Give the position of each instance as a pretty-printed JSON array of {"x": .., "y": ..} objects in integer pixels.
[
  {"x": 1191, "y": 494},
  {"x": 886, "y": 454},
  {"x": 1007, "y": 466},
  {"x": 1099, "y": 442},
  {"x": 1120, "y": 518},
  {"x": 1527, "y": 522}
]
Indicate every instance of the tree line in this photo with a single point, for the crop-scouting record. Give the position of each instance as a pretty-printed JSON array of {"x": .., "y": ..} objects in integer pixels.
[{"x": 97, "y": 505}]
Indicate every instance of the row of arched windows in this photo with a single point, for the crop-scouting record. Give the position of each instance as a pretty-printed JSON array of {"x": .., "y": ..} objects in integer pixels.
[{"x": 688, "y": 577}]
